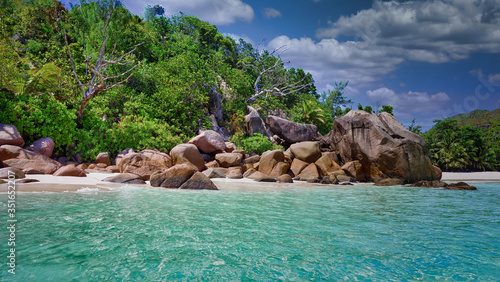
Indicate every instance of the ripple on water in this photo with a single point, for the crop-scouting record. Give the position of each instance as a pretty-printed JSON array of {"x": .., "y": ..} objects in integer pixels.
[{"x": 366, "y": 232}]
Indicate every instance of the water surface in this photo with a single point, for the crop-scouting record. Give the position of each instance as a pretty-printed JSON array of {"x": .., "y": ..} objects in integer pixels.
[{"x": 354, "y": 233}]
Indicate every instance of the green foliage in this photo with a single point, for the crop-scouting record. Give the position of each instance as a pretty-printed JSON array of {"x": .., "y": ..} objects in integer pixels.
[
  {"x": 334, "y": 99},
  {"x": 387, "y": 109},
  {"x": 41, "y": 116},
  {"x": 133, "y": 132},
  {"x": 256, "y": 143},
  {"x": 415, "y": 128},
  {"x": 457, "y": 148}
]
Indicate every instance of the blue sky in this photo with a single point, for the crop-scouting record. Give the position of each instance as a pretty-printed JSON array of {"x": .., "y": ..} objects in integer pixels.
[{"x": 430, "y": 59}]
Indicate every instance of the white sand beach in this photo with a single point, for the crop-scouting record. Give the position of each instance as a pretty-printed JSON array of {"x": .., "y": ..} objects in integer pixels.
[
  {"x": 471, "y": 176},
  {"x": 50, "y": 183}
]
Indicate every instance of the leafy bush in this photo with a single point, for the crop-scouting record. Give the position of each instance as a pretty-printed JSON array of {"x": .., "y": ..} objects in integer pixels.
[
  {"x": 256, "y": 143},
  {"x": 38, "y": 117},
  {"x": 132, "y": 132}
]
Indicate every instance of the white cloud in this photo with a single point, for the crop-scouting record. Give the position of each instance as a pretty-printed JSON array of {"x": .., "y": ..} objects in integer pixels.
[
  {"x": 271, "y": 13},
  {"x": 410, "y": 104},
  {"x": 431, "y": 31},
  {"x": 330, "y": 60},
  {"x": 237, "y": 37},
  {"x": 221, "y": 12}
]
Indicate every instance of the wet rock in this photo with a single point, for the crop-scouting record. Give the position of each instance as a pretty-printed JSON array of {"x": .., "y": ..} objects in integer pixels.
[
  {"x": 285, "y": 178},
  {"x": 199, "y": 181},
  {"x": 389, "y": 182},
  {"x": 173, "y": 177},
  {"x": 125, "y": 178}
]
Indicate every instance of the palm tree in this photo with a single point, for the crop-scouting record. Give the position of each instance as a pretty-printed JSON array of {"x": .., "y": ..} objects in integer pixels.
[{"x": 313, "y": 113}]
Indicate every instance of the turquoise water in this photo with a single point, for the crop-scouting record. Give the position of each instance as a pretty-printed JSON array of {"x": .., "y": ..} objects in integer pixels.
[{"x": 353, "y": 233}]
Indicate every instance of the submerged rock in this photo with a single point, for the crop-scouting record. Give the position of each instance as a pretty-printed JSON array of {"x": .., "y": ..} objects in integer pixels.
[
  {"x": 125, "y": 178},
  {"x": 389, "y": 182}
]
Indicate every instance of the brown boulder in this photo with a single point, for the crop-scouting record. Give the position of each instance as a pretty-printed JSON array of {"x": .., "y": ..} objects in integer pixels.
[
  {"x": 308, "y": 151},
  {"x": 7, "y": 172},
  {"x": 298, "y": 166},
  {"x": 252, "y": 159},
  {"x": 229, "y": 159},
  {"x": 354, "y": 169},
  {"x": 212, "y": 173},
  {"x": 10, "y": 136},
  {"x": 44, "y": 146},
  {"x": 145, "y": 163},
  {"x": 230, "y": 147},
  {"x": 123, "y": 153},
  {"x": 272, "y": 163},
  {"x": 292, "y": 132},
  {"x": 285, "y": 178},
  {"x": 234, "y": 174},
  {"x": 103, "y": 158},
  {"x": 326, "y": 165},
  {"x": 212, "y": 164},
  {"x": 249, "y": 172},
  {"x": 310, "y": 172},
  {"x": 70, "y": 170},
  {"x": 199, "y": 181},
  {"x": 459, "y": 186},
  {"x": 187, "y": 154},
  {"x": 126, "y": 178},
  {"x": 383, "y": 146},
  {"x": 113, "y": 169},
  {"x": 173, "y": 177},
  {"x": 437, "y": 172},
  {"x": 14, "y": 156},
  {"x": 209, "y": 142},
  {"x": 261, "y": 177},
  {"x": 254, "y": 123}
]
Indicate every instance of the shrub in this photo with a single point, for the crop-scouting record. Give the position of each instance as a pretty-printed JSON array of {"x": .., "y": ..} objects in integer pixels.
[
  {"x": 38, "y": 117},
  {"x": 133, "y": 132},
  {"x": 256, "y": 143}
]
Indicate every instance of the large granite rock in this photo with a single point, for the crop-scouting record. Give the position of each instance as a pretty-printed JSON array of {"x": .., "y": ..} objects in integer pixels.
[
  {"x": 7, "y": 172},
  {"x": 297, "y": 166},
  {"x": 10, "y": 136},
  {"x": 122, "y": 154},
  {"x": 229, "y": 159},
  {"x": 70, "y": 170},
  {"x": 273, "y": 163},
  {"x": 292, "y": 132},
  {"x": 199, "y": 181},
  {"x": 308, "y": 151},
  {"x": 209, "y": 142},
  {"x": 125, "y": 178},
  {"x": 14, "y": 156},
  {"x": 254, "y": 123},
  {"x": 103, "y": 158},
  {"x": 310, "y": 172},
  {"x": 145, "y": 163},
  {"x": 326, "y": 165},
  {"x": 187, "y": 154},
  {"x": 173, "y": 177},
  {"x": 384, "y": 148},
  {"x": 44, "y": 146}
]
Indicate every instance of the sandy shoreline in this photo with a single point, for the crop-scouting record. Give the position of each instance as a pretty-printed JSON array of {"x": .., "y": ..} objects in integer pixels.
[{"x": 50, "y": 183}]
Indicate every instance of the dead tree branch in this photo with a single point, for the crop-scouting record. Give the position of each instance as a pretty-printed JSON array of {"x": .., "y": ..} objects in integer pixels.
[{"x": 97, "y": 82}]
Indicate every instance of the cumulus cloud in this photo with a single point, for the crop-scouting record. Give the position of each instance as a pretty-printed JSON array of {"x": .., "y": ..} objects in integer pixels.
[
  {"x": 271, "y": 13},
  {"x": 330, "y": 60},
  {"x": 431, "y": 31},
  {"x": 222, "y": 12},
  {"x": 409, "y": 104}
]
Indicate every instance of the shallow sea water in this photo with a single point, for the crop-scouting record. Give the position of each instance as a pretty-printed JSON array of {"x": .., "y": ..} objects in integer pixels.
[{"x": 346, "y": 233}]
